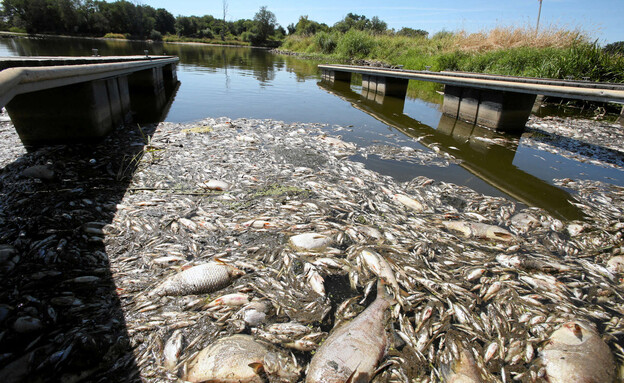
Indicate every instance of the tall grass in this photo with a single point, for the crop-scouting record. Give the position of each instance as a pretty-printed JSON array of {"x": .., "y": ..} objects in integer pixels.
[
  {"x": 518, "y": 37},
  {"x": 552, "y": 53}
]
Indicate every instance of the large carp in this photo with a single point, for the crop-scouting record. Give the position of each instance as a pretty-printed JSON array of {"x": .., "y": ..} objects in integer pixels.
[
  {"x": 576, "y": 353},
  {"x": 199, "y": 279},
  {"x": 241, "y": 359},
  {"x": 353, "y": 350}
]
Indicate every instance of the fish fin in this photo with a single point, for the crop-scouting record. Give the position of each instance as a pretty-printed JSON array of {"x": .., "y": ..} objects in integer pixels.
[
  {"x": 502, "y": 235},
  {"x": 219, "y": 260},
  {"x": 186, "y": 267},
  {"x": 257, "y": 367},
  {"x": 352, "y": 376},
  {"x": 381, "y": 369},
  {"x": 350, "y": 379}
]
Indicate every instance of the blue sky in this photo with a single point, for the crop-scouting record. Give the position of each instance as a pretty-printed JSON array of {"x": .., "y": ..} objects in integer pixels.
[{"x": 602, "y": 19}]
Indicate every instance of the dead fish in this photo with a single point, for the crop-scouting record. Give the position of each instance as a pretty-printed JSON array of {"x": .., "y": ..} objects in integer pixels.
[
  {"x": 462, "y": 370},
  {"x": 524, "y": 221},
  {"x": 380, "y": 266},
  {"x": 315, "y": 279},
  {"x": 574, "y": 229},
  {"x": 230, "y": 300},
  {"x": 239, "y": 358},
  {"x": 199, "y": 279},
  {"x": 337, "y": 143},
  {"x": 576, "y": 353},
  {"x": 354, "y": 349},
  {"x": 529, "y": 263},
  {"x": 255, "y": 313},
  {"x": 215, "y": 185},
  {"x": 409, "y": 202},
  {"x": 616, "y": 264},
  {"x": 310, "y": 241},
  {"x": 479, "y": 230},
  {"x": 475, "y": 274},
  {"x": 172, "y": 350},
  {"x": 289, "y": 330}
]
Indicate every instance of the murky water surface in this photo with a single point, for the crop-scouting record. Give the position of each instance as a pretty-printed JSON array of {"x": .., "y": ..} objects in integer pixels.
[{"x": 253, "y": 83}]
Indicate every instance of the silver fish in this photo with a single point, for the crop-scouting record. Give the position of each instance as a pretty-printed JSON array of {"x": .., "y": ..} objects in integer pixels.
[
  {"x": 172, "y": 350},
  {"x": 199, "y": 279},
  {"x": 479, "y": 230},
  {"x": 380, "y": 266},
  {"x": 354, "y": 349},
  {"x": 310, "y": 241}
]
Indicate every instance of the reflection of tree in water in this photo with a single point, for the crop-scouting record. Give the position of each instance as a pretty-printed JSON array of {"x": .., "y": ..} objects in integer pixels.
[
  {"x": 261, "y": 64},
  {"x": 303, "y": 69},
  {"x": 36, "y": 46}
]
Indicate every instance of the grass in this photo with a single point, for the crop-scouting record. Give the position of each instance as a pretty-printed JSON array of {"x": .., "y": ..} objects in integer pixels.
[
  {"x": 519, "y": 51},
  {"x": 115, "y": 36}
]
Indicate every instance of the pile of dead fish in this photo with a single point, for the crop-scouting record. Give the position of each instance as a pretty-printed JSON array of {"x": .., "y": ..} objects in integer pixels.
[
  {"x": 254, "y": 250},
  {"x": 594, "y": 142}
]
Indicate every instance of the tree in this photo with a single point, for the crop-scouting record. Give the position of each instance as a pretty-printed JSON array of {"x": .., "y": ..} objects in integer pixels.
[
  {"x": 165, "y": 22},
  {"x": 616, "y": 48},
  {"x": 306, "y": 27},
  {"x": 291, "y": 29},
  {"x": 378, "y": 26},
  {"x": 409, "y": 32},
  {"x": 352, "y": 21},
  {"x": 265, "y": 21}
]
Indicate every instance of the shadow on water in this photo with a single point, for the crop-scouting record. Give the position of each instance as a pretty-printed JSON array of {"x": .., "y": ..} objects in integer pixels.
[
  {"x": 482, "y": 152},
  {"x": 61, "y": 318}
]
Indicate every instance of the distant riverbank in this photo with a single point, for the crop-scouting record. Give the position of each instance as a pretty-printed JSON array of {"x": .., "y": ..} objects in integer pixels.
[{"x": 507, "y": 51}]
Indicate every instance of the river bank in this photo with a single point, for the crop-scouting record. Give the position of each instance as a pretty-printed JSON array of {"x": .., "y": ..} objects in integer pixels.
[
  {"x": 507, "y": 51},
  {"x": 89, "y": 232}
]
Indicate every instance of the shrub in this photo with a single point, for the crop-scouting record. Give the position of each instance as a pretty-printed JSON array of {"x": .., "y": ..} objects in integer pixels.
[
  {"x": 326, "y": 42},
  {"x": 207, "y": 33},
  {"x": 155, "y": 35},
  {"x": 17, "y": 30},
  {"x": 114, "y": 36},
  {"x": 410, "y": 32},
  {"x": 355, "y": 44},
  {"x": 248, "y": 36}
]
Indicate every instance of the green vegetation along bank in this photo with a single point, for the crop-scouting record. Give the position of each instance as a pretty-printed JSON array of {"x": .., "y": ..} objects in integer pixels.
[{"x": 551, "y": 53}]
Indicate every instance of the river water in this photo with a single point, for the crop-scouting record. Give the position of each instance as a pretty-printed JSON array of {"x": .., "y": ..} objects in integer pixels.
[{"x": 239, "y": 82}]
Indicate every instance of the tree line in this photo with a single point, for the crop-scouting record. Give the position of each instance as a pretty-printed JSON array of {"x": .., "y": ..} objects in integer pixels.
[
  {"x": 98, "y": 18},
  {"x": 352, "y": 21}
]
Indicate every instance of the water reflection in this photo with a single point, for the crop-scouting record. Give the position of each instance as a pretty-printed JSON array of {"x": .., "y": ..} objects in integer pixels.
[{"x": 484, "y": 153}]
